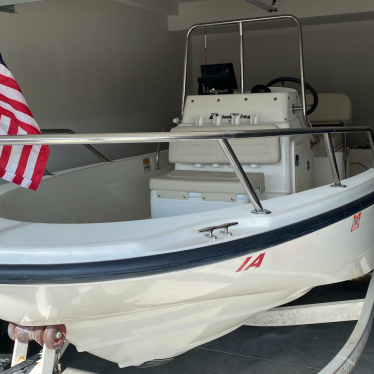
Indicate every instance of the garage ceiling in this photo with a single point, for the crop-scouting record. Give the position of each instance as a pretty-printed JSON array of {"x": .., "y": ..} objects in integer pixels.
[
  {"x": 160, "y": 6},
  {"x": 169, "y": 7}
]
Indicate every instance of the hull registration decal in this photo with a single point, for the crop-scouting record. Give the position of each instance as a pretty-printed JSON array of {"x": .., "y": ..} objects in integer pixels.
[
  {"x": 356, "y": 222},
  {"x": 255, "y": 264}
]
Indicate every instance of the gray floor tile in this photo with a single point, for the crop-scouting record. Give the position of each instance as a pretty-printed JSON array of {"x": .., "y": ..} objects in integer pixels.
[
  {"x": 277, "y": 353},
  {"x": 196, "y": 361},
  {"x": 309, "y": 345}
]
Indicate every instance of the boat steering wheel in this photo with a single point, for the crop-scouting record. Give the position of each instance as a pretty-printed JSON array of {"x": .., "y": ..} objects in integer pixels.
[{"x": 297, "y": 80}]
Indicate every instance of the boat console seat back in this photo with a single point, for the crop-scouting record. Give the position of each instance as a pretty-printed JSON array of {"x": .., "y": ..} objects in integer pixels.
[
  {"x": 333, "y": 109},
  {"x": 248, "y": 151},
  {"x": 191, "y": 188}
]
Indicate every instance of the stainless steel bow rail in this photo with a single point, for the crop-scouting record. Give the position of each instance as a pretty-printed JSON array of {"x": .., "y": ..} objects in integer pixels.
[
  {"x": 240, "y": 23},
  {"x": 344, "y": 362},
  {"x": 222, "y": 138},
  {"x": 68, "y": 131}
]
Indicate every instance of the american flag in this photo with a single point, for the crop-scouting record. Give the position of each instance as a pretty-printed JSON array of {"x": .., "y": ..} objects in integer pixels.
[{"x": 21, "y": 164}]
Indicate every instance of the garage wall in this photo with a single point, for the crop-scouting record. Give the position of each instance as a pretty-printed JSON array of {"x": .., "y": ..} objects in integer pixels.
[
  {"x": 94, "y": 66},
  {"x": 338, "y": 58}
]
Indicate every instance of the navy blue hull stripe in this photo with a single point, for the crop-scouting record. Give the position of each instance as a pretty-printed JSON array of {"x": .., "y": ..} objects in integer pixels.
[{"x": 157, "y": 264}]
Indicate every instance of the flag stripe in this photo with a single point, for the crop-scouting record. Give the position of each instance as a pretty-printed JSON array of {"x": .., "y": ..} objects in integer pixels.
[
  {"x": 31, "y": 162},
  {"x": 4, "y": 125},
  {"x": 9, "y": 82},
  {"x": 23, "y": 165},
  {"x": 6, "y": 72},
  {"x": 15, "y": 154},
  {"x": 19, "y": 107},
  {"x": 7, "y": 150},
  {"x": 19, "y": 115},
  {"x": 40, "y": 167},
  {"x": 4, "y": 130},
  {"x": 21, "y": 168},
  {"x": 14, "y": 157},
  {"x": 13, "y": 94},
  {"x": 28, "y": 128}
]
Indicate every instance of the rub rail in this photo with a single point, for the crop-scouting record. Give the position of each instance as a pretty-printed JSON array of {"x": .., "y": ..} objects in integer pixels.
[{"x": 221, "y": 137}]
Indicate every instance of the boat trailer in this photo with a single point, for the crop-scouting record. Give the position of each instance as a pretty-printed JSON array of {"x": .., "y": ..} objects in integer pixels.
[{"x": 51, "y": 338}]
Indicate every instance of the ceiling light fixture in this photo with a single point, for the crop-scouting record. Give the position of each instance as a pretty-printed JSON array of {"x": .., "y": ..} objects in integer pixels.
[{"x": 262, "y": 5}]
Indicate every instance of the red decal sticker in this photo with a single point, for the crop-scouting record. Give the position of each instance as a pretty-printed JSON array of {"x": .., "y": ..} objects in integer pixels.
[
  {"x": 255, "y": 264},
  {"x": 356, "y": 222},
  {"x": 244, "y": 263}
]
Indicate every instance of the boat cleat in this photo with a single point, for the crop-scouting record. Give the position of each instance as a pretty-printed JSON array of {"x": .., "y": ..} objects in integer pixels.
[{"x": 225, "y": 230}]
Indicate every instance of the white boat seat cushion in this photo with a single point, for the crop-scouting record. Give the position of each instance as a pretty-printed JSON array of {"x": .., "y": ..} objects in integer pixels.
[
  {"x": 215, "y": 186},
  {"x": 333, "y": 108},
  {"x": 248, "y": 151}
]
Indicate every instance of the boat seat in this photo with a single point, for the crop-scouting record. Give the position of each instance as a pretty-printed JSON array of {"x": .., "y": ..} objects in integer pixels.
[
  {"x": 185, "y": 191},
  {"x": 333, "y": 109},
  {"x": 248, "y": 151},
  {"x": 214, "y": 186}
]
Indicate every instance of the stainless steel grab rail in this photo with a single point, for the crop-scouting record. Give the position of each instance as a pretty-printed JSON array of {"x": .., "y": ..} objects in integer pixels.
[
  {"x": 240, "y": 22},
  {"x": 333, "y": 163},
  {"x": 68, "y": 131},
  {"x": 155, "y": 137},
  {"x": 222, "y": 137},
  {"x": 242, "y": 176}
]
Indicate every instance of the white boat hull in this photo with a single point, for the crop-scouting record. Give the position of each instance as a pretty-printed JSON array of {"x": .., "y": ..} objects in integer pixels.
[{"x": 151, "y": 311}]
